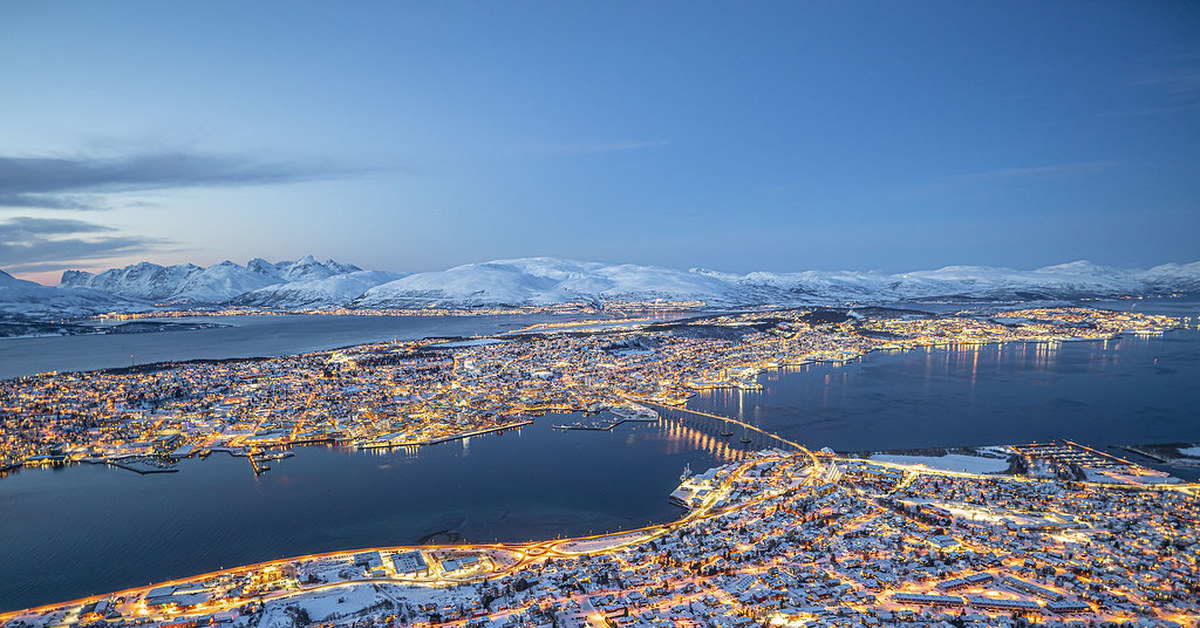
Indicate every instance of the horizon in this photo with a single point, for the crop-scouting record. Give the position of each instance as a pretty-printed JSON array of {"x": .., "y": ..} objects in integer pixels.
[{"x": 773, "y": 137}]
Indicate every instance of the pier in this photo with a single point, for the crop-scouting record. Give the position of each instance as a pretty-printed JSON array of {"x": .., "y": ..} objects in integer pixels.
[{"x": 603, "y": 425}]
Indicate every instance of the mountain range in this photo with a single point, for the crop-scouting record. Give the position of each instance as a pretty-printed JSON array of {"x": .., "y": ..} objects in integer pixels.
[{"x": 308, "y": 284}]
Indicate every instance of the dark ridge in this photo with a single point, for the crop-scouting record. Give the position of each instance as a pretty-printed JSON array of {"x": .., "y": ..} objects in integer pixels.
[
  {"x": 825, "y": 315},
  {"x": 162, "y": 366},
  {"x": 889, "y": 312}
]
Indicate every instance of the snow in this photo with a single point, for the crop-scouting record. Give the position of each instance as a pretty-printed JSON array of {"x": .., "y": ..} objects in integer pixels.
[
  {"x": 327, "y": 292},
  {"x": 603, "y": 543},
  {"x": 543, "y": 280},
  {"x": 948, "y": 462},
  {"x": 26, "y": 298},
  {"x": 1129, "y": 476},
  {"x": 322, "y": 606},
  {"x": 540, "y": 281},
  {"x": 1193, "y": 452},
  {"x": 194, "y": 284},
  {"x": 309, "y": 283}
]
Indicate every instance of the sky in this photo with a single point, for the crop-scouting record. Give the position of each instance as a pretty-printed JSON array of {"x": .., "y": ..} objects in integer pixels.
[{"x": 738, "y": 136}]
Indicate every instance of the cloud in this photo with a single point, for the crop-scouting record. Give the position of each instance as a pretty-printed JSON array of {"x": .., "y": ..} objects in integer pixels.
[
  {"x": 79, "y": 183},
  {"x": 1177, "y": 76},
  {"x": 31, "y": 244},
  {"x": 25, "y": 227},
  {"x": 1007, "y": 177},
  {"x": 43, "y": 201},
  {"x": 587, "y": 148},
  {"x": 1056, "y": 170},
  {"x": 1168, "y": 84}
]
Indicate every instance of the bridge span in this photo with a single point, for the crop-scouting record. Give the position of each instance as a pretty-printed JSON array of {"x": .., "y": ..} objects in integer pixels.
[{"x": 734, "y": 428}]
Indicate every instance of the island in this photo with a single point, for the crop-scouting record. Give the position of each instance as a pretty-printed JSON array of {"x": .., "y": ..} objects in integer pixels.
[{"x": 421, "y": 392}]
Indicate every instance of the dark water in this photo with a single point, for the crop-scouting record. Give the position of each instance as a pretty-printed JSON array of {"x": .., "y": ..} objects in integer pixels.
[
  {"x": 1124, "y": 391},
  {"x": 86, "y": 529},
  {"x": 246, "y": 336},
  {"x": 1130, "y": 390}
]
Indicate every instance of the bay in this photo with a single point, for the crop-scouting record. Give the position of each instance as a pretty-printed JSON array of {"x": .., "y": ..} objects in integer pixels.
[
  {"x": 87, "y": 529},
  {"x": 1128, "y": 390}
]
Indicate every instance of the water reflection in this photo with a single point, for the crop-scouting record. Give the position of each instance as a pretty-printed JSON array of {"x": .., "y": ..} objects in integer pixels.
[
  {"x": 1126, "y": 390},
  {"x": 524, "y": 484}
]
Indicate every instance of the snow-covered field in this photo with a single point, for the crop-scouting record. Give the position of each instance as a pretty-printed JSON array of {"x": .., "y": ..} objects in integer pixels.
[
  {"x": 595, "y": 545},
  {"x": 346, "y": 601},
  {"x": 1117, "y": 476},
  {"x": 1193, "y": 452},
  {"x": 949, "y": 462}
]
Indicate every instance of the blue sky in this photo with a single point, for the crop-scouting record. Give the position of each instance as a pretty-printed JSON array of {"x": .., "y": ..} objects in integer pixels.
[{"x": 735, "y": 135}]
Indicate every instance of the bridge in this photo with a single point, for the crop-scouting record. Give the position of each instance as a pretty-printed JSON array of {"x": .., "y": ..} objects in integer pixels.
[{"x": 734, "y": 429}]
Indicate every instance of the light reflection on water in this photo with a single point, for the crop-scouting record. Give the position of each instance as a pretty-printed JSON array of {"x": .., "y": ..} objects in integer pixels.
[
  {"x": 1122, "y": 391},
  {"x": 89, "y": 529}
]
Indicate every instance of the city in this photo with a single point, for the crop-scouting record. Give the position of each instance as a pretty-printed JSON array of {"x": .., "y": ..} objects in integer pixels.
[
  {"x": 415, "y": 393},
  {"x": 548, "y": 314},
  {"x": 1064, "y": 535}
]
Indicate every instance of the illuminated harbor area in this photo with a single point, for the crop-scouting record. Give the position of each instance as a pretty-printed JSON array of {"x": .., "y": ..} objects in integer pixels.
[
  {"x": 421, "y": 392},
  {"x": 1055, "y": 534},
  {"x": 779, "y": 538}
]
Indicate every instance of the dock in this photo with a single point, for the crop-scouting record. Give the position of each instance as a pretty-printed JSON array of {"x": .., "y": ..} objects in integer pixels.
[
  {"x": 392, "y": 444},
  {"x": 603, "y": 425}
]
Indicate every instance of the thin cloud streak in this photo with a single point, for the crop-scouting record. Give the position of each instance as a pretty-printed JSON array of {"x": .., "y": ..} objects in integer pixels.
[
  {"x": 1056, "y": 170},
  {"x": 56, "y": 182},
  {"x": 567, "y": 149},
  {"x": 33, "y": 244},
  {"x": 15, "y": 229}
]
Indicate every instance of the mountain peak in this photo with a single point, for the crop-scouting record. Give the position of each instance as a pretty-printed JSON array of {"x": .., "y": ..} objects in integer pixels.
[
  {"x": 1078, "y": 267},
  {"x": 543, "y": 280}
]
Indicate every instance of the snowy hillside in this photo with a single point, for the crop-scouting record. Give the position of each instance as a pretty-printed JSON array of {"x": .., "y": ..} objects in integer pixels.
[
  {"x": 27, "y": 299},
  {"x": 307, "y": 284},
  {"x": 540, "y": 281},
  {"x": 188, "y": 283},
  {"x": 316, "y": 293},
  {"x": 1183, "y": 278}
]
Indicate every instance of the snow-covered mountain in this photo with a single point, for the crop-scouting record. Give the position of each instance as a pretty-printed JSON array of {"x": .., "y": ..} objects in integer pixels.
[
  {"x": 27, "y": 299},
  {"x": 188, "y": 283},
  {"x": 315, "y": 293},
  {"x": 1182, "y": 278},
  {"x": 543, "y": 281},
  {"x": 307, "y": 283}
]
